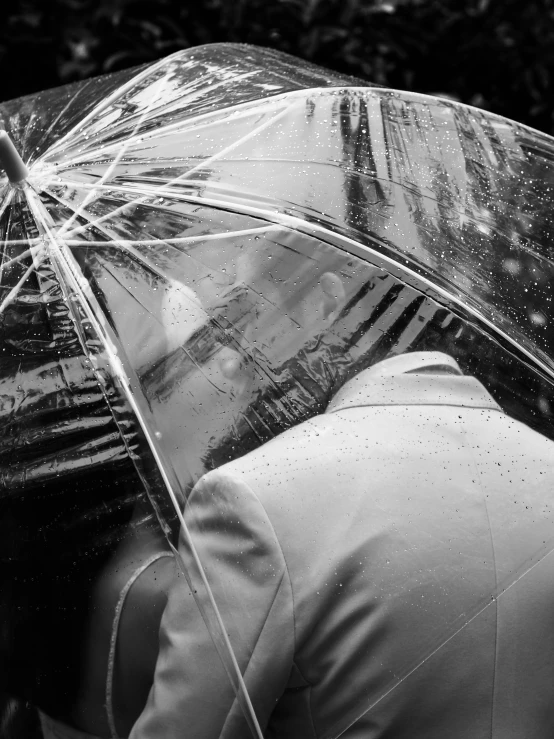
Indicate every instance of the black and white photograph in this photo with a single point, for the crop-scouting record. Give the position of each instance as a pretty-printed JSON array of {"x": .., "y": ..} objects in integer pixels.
[{"x": 277, "y": 369}]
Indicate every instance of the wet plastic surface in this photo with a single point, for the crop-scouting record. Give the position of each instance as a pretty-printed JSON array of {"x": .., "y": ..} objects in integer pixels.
[{"x": 203, "y": 253}]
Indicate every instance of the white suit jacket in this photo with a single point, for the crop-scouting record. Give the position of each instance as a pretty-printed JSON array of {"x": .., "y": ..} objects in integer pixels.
[{"x": 383, "y": 570}]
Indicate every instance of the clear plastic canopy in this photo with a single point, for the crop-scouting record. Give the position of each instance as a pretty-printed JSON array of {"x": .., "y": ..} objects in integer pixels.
[{"x": 205, "y": 250}]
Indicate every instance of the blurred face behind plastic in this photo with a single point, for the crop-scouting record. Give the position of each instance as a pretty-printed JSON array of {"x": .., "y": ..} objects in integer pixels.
[
  {"x": 249, "y": 335},
  {"x": 205, "y": 341}
]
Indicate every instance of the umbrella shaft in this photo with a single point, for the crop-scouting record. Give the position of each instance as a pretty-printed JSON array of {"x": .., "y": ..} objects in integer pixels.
[{"x": 10, "y": 161}]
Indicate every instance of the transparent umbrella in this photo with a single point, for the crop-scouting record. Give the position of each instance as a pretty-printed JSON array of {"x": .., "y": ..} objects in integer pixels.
[{"x": 174, "y": 237}]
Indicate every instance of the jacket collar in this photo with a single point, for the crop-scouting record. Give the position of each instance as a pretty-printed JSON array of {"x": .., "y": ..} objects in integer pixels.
[{"x": 417, "y": 378}]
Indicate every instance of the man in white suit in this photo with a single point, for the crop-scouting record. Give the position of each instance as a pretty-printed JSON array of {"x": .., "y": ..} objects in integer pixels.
[{"x": 382, "y": 570}]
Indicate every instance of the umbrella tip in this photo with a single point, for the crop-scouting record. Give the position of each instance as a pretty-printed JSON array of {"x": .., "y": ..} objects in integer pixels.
[{"x": 10, "y": 161}]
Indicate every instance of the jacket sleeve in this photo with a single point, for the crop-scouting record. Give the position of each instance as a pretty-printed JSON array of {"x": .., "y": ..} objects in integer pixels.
[{"x": 192, "y": 695}]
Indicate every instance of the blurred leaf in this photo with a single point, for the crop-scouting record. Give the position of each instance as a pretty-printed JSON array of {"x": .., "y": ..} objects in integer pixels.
[
  {"x": 114, "y": 60},
  {"x": 496, "y": 54}
]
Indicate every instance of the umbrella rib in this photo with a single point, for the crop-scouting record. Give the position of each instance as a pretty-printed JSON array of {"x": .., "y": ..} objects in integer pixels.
[
  {"x": 19, "y": 242},
  {"x": 313, "y": 229},
  {"x": 20, "y": 257},
  {"x": 119, "y": 92},
  {"x": 155, "y": 192},
  {"x": 129, "y": 246},
  {"x": 106, "y": 103},
  {"x": 162, "y": 131},
  {"x": 494, "y": 597},
  {"x": 181, "y": 177},
  {"x": 7, "y": 200},
  {"x": 113, "y": 165},
  {"x": 125, "y": 245},
  {"x": 176, "y": 240},
  {"x": 15, "y": 289},
  {"x": 60, "y": 114},
  {"x": 239, "y": 111},
  {"x": 380, "y": 93},
  {"x": 160, "y": 162}
]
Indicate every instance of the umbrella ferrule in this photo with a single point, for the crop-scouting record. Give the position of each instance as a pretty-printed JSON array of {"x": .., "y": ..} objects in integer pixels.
[{"x": 10, "y": 160}]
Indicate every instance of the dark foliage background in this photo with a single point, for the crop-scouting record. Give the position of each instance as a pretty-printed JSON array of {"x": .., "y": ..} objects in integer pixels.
[{"x": 496, "y": 54}]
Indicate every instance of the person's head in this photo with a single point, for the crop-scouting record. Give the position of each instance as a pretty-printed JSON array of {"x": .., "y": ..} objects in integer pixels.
[
  {"x": 245, "y": 337},
  {"x": 225, "y": 341},
  {"x": 318, "y": 317},
  {"x": 220, "y": 338}
]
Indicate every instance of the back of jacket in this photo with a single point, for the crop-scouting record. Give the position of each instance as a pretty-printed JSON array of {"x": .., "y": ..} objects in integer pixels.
[
  {"x": 383, "y": 571},
  {"x": 418, "y": 540}
]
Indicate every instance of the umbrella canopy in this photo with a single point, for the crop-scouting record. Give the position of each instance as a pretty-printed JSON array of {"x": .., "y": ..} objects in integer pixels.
[{"x": 205, "y": 249}]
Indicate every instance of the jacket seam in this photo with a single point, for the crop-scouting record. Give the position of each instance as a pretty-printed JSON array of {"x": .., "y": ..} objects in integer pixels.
[
  {"x": 245, "y": 673},
  {"x": 469, "y": 448}
]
